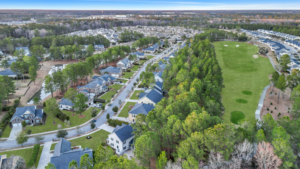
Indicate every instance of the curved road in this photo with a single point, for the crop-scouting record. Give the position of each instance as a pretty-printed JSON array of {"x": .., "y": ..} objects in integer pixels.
[{"x": 100, "y": 120}]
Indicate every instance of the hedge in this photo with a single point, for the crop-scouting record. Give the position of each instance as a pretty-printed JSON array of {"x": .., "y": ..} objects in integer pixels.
[
  {"x": 61, "y": 115},
  {"x": 114, "y": 123},
  {"x": 6, "y": 118},
  {"x": 34, "y": 155}
]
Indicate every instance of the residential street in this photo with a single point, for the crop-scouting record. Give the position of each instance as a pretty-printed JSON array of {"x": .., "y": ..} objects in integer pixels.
[{"x": 100, "y": 121}]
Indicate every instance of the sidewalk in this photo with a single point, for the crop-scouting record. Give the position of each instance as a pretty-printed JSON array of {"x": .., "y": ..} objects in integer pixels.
[{"x": 45, "y": 156}]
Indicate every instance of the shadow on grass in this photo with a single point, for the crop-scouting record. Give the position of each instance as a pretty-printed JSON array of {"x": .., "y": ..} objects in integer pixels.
[
  {"x": 247, "y": 92},
  {"x": 236, "y": 116},
  {"x": 241, "y": 101}
]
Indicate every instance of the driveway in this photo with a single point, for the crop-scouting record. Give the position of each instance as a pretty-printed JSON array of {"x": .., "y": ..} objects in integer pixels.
[
  {"x": 45, "y": 156},
  {"x": 14, "y": 131}
]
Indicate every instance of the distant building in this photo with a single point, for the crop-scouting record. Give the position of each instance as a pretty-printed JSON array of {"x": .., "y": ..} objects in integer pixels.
[
  {"x": 124, "y": 64},
  {"x": 8, "y": 72}
]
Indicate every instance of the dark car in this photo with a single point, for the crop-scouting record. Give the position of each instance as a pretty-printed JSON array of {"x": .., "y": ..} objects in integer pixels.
[{"x": 93, "y": 121}]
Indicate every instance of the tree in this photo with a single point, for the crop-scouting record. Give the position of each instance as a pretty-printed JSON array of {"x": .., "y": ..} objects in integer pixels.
[
  {"x": 265, "y": 156},
  {"x": 293, "y": 79},
  {"x": 36, "y": 101},
  {"x": 260, "y": 136},
  {"x": 61, "y": 133},
  {"x": 281, "y": 85},
  {"x": 107, "y": 116},
  {"x": 22, "y": 138},
  {"x": 73, "y": 165},
  {"x": 115, "y": 109},
  {"x": 86, "y": 162},
  {"x": 192, "y": 147},
  {"x": 4, "y": 64},
  {"x": 161, "y": 161},
  {"x": 49, "y": 84},
  {"x": 71, "y": 95},
  {"x": 51, "y": 108},
  {"x": 283, "y": 150},
  {"x": 80, "y": 100},
  {"x": 32, "y": 73},
  {"x": 94, "y": 112},
  {"x": 50, "y": 166},
  {"x": 90, "y": 50},
  {"x": 274, "y": 79},
  {"x": 190, "y": 163},
  {"x": 24, "y": 123},
  {"x": 38, "y": 138},
  {"x": 284, "y": 61}
]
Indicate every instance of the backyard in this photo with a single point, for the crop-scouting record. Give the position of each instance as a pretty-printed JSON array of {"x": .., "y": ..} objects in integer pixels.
[
  {"x": 244, "y": 77},
  {"x": 135, "y": 95},
  {"x": 128, "y": 75},
  {"x": 97, "y": 138},
  {"x": 125, "y": 110}
]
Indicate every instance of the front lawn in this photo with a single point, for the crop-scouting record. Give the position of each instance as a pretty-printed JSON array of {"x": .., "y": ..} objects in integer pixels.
[
  {"x": 24, "y": 153},
  {"x": 6, "y": 132},
  {"x": 150, "y": 57},
  {"x": 107, "y": 96},
  {"x": 125, "y": 110},
  {"x": 135, "y": 68},
  {"x": 39, "y": 156},
  {"x": 123, "y": 80},
  {"x": 116, "y": 86},
  {"x": 135, "y": 95},
  {"x": 75, "y": 120},
  {"x": 142, "y": 62},
  {"x": 128, "y": 75},
  {"x": 97, "y": 138},
  {"x": 242, "y": 72}
]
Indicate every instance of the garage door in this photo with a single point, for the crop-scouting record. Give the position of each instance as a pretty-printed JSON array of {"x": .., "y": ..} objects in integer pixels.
[{"x": 16, "y": 124}]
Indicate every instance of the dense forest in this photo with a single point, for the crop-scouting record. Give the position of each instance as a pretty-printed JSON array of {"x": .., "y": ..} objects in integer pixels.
[{"x": 289, "y": 29}]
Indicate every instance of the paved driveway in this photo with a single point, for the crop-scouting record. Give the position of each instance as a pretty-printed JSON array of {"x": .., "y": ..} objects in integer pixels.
[
  {"x": 45, "y": 156},
  {"x": 14, "y": 131}
]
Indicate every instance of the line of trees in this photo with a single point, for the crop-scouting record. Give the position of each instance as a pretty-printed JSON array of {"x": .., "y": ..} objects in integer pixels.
[
  {"x": 128, "y": 36},
  {"x": 216, "y": 35},
  {"x": 144, "y": 42}
]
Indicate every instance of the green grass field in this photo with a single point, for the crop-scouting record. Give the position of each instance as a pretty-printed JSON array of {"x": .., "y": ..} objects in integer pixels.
[
  {"x": 135, "y": 68},
  {"x": 116, "y": 86},
  {"x": 150, "y": 57},
  {"x": 128, "y": 75},
  {"x": 6, "y": 132},
  {"x": 134, "y": 97},
  {"x": 107, "y": 96},
  {"x": 244, "y": 77},
  {"x": 97, "y": 138},
  {"x": 125, "y": 110}
]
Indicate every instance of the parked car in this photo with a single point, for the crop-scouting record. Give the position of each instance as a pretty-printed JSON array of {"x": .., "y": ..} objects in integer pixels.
[{"x": 93, "y": 121}]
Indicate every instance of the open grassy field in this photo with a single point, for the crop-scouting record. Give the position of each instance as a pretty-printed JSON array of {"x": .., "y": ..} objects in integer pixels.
[
  {"x": 97, "y": 138},
  {"x": 244, "y": 77}
]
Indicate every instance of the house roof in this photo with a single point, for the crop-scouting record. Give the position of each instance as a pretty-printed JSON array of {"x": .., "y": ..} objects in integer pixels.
[
  {"x": 63, "y": 154},
  {"x": 123, "y": 132},
  {"x": 125, "y": 61},
  {"x": 31, "y": 109},
  {"x": 154, "y": 96},
  {"x": 138, "y": 53},
  {"x": 159, "y": 84},
  {"x": 111, "y": 69},
  {"x": 95, "y": 83},
  {"x": 66, "y": 102},
  {"x": 142, "y": 94},
  {"x": 160, "y": 63},
  {"x": 39, "y": 113},
  {"x": 159, "y": 74},
  {"x": 7, "y": 72},
  {"x": 141, "y": 109},
  {"x": 105, "y": 77}
]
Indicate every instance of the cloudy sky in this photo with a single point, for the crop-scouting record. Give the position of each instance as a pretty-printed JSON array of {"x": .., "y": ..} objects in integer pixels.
[{"x": 150, "y": 4}]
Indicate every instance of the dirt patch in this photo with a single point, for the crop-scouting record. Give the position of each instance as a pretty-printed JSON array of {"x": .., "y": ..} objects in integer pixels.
[
  {"x": 284, "y": 106},
  {"x": 81, "y": 116}
]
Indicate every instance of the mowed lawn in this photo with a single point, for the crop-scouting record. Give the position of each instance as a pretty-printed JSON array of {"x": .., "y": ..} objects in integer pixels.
[
  {"x": 125, "y": 110},
  {"x": 116, "y": 86},
  {"x": 128, "y": 75},
  {"x": 107, "y": 95},
  {"x": 97, "y": 138},
  {"x": 135, "y": 95},
  {"x": 242, "y": 73},
  {"x": 135, "y": 68}
]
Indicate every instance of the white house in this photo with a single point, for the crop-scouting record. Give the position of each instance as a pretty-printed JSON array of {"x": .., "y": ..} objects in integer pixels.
[
  {"x": 158, "y": 76},
  {"x": 124, "y": 64},
  {"x": 121, "y": 139}
]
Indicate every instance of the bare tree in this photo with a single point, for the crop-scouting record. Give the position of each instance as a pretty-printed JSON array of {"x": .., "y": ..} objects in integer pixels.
[
  {"x": 245, "y": 152},
  {"x": 215, "y": 160},
  {"x": 265, "y": 157}
]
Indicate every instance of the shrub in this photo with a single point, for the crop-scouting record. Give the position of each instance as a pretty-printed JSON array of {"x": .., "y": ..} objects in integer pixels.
[
  {"x": 16, "y": 103},
  {"x": 61, "y": 134},
  {"x": 114, "y": 123},
  {"x": 267, "y": 109},
  {"x": 93, "y": 125},
  {"x": 115, "y": 109},
  {"x": 275, "y": 108},
  {"x": 271, "y": 111},
  {"x": 271, "y": 103},
  {"x": 28, "y": 131},
  {"x": 24, "y": 124},
  {"x": 6, "y": 108},
  {"x": 236, "y": 116},
  {"x": 94, "y": 113},
  {"x": 112, "y": 96},
  {"x": 128, "y": 70},
  {"x": 103, "y": 144},
  {"x": 34, "y": 155},
  {"x": 279, "y": 114},
  {"x": 44, "y": 104},
  {"x": 107, "y": 116},
  {"x": 102, "y": 107},
  {"x": 275, "y": 93},
  {"x": 288, "y": 108},
  {"x": 134, "y": 83}
]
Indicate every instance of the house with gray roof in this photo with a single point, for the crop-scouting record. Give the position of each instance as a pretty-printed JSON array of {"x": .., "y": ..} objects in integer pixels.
[
  {"x": 1, "y": 53},
  {"x": 109, "y": 80},
  {"x": 158, "y": 76},
  {"x": 138, "y": 54},
  {"x": 152, "y": 98},
  {"x": 99, "y": 48},
  {"x": 124, "y": 64},
  {"x": 65, "y": 104},
  {"x": 121, "y": 139},
  {"x": 64, "y": 154},
  {"x": 112, "y": 71},
  {"x": 8, "y": 72},
  {"x": 25, "y": 49},
  {"x": 139, "y": 109},
  {"x": 29, "y": 114},
  {"x": 96, "y": 87}
]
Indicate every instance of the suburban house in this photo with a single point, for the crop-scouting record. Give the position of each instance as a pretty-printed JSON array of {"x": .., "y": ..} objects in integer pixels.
[
  {"x": 65, "y": 104},
  {"x": 64, "y": 154},
  {"x": 139, "y": 55},
  {"x": 11, "y": 61},
  {"x": 149, "y": 50},
  {"x": 159, "y": 86},
  {"x": 158, "y": 76},
  {"x": 29, "y": 114},
  {"x": 99, "y": 48},
  {"x": 124, "y": 64},
  {"x": 152, "y": 98},
  {"x": 112, "y": 71},
  {"x": 161, "y": 67},
  {"x": 121, "y": 139},
  {"x": 26, "y": 50},
  {"x": 8, "y": 72},
  {"x": 139, "y": 109},
  {"x": 96, "y": 87},
  {"x": 109, "y": 80}
]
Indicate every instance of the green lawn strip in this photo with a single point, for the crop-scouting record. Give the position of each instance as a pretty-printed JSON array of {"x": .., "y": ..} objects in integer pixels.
[
  {"x": 135, "y": 68},
  {"x": 123, "y": 80},
  {"x": 142, "y": 62},
  {"x": 107, "y": 96},
  {"x": 116, "y": 86},
  {"x": 39, "y": 156},
  {"x": 6, "y": 132},
  {"x": 97, "y": 138},
  {"x": 75, "y": 120},
  {"x": 48, "y": 126},
  {"x": 134, "y": 95},
  {"x": 242, "y": 72},
  {"x": 125, "y": 110},
  {"x": 24, "y": 153},
  {"x": 150, "y": 57},
  {"x": 128, "y": 75}
]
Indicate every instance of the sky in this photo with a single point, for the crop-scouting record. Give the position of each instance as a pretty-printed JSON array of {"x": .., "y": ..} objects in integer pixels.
[{"x": 151, "y": 4}]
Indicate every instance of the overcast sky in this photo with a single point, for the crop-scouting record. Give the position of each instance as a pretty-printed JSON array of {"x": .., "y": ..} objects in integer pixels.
[{"x": 150, "y": 4}]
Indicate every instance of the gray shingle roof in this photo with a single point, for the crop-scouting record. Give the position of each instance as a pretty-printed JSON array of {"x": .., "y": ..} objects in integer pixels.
[
  {"x": 159, "y": 84},
  {"x": 154, "y": 96},
  {"x": 159, "y": 74},
  {"x": 141, "y": 109},
  {"x": 31, "y": 109},
  {"x": 124, "y": 132},
  {"x": 7, "y": 72},
  {"x": 111, "y": 69},
  {"x": 66, "y": 102},
  {"x": 61, "y": 147}
]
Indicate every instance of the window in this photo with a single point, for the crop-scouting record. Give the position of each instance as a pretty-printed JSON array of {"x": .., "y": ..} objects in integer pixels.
[
  {"x": 37, "y": 121},
  {"x": 26, "y": 116},
  {"x": 117, "y": 141},
  {"x": 124, "y": 142},
  {"x": 111, "y": 139},
  {"x": 112, "y": 144},
  {"x": 27, "y": 121},
  {"x": 124, "y": 148}
]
